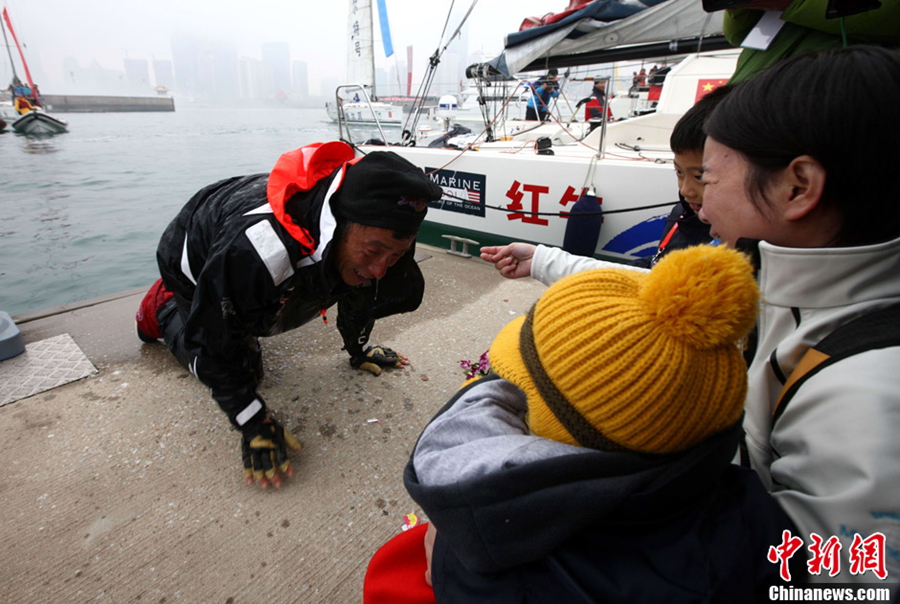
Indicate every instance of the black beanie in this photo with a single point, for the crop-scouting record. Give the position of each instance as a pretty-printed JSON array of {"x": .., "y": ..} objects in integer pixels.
[{"x": 384, "y": 190}]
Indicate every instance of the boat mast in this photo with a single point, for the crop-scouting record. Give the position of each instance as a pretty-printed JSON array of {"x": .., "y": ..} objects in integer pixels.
[
  {"x": 8, "y": 49},
  {"x": 372, "y": 49},
  {"x": 21, "y": 54}
]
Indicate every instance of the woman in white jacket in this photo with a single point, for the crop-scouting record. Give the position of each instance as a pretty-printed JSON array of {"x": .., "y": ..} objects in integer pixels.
[{"x": 800, "y": 165}]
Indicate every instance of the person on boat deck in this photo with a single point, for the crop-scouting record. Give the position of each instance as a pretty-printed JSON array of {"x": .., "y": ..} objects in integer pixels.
[
  {"x": 23, "y": 105},
  {"x": 594, "y": 464},
  {"x": 542, "y": 92},
  {"x": 254, "y": 256},
  {"x": 683, "y": 226},
  {"x": 595, "y": 103},
  {"x": 642, "y": 78},
  {"x": 827, "y": 243}
]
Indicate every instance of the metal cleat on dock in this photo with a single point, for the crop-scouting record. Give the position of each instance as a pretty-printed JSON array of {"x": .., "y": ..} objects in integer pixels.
[{"x": 454, "y": 239}]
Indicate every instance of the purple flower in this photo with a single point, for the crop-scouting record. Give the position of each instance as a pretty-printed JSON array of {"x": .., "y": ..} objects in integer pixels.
[{"x": 473, "y": 369}]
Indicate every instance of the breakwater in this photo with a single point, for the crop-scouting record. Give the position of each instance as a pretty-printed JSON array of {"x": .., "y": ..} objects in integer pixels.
[{"x": 73, "y": 103}]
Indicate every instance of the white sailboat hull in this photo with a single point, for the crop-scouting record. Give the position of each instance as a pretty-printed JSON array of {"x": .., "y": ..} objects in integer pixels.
[
  {"x": 386, "y": 114},
  {"x": 529, "y": 186}
]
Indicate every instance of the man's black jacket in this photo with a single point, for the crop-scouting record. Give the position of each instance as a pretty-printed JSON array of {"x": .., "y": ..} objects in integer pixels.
[{"x": 233, "y": 260}]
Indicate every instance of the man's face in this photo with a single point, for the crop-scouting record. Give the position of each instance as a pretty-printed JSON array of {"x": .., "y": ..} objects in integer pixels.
[{"x": 367, "y": 253}]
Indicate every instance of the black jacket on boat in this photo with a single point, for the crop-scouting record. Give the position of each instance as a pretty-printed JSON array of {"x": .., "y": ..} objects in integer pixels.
[
  {"x": 524, "y": 519},
  {"x": 690, "y": 231},
  {"x": 243, "y": 263}
]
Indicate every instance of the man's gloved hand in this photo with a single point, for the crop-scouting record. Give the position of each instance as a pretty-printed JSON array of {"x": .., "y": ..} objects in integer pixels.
[
  {"x": 264, "y": 449},
  {"x": 374, "y": 358}
]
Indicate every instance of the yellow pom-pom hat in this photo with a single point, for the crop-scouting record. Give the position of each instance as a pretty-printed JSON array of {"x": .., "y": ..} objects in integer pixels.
[{"x": 617, "y": 359}]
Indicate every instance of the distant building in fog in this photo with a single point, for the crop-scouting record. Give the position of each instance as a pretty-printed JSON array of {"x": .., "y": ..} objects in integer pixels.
[
  {"x": 186, "y": 59},
  {"x": 397, "y": 81},
  {"x": 219, "y": 72},
  {"x": 205, "y": 71},
  {"x": 137, "y": 77},
  {"x": 256, "y": 79},
  {"x": 163, "y": 74},
  {"x": 328, "y": 86},
  {"x": 381, "y": 83},
  {"x": 211, "y": 72},
  {"x": 278, "y": 56},
  {"x": 300, "y": 79},
  {"x": 71, "y": 73},
  {"x": 92, "y": 80}
]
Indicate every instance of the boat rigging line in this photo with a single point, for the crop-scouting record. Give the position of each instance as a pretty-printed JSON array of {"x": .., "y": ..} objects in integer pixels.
[
  {"x": 12, "y": 63},
  {"x": 639, "y": 150},
  {"x": 418, "y": 108}
]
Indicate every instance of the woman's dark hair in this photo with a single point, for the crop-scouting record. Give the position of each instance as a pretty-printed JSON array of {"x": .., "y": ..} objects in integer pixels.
[{"x": 841, "y": 107}]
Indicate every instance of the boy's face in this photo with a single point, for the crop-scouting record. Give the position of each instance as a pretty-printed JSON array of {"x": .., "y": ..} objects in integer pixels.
[{"x": 688, "y": 169}]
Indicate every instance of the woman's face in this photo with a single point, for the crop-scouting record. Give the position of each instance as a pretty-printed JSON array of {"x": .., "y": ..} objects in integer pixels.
[{"x": 727, "y": 205}]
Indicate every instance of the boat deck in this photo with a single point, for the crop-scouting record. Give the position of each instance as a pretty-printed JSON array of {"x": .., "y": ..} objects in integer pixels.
[{"x": 126, "y": 486}]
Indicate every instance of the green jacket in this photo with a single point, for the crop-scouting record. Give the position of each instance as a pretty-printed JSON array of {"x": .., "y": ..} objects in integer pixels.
[{"x": 806, "y": 29}]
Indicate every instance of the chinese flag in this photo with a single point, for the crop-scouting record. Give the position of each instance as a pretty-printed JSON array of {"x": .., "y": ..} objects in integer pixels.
[{"x": 704, "y": 86}]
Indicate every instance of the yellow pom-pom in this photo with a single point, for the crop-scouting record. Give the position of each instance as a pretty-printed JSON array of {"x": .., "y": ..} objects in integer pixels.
[{"x": 705, "y": 296}]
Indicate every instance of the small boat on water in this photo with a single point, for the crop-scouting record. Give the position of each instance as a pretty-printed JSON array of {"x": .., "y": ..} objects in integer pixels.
[
  {"x": 38, "y": 123},
  {"x": 363, "y": 110},
  {"x": 28, "y": 114}
]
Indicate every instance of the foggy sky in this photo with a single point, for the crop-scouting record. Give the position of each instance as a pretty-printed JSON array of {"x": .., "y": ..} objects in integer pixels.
[{"x": 107, "y": 31}]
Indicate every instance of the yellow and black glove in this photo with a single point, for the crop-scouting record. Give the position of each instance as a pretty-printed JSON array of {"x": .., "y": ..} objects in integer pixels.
[
  {"x": 264, "y": 450},
  {"x": 373, "y": 358}
]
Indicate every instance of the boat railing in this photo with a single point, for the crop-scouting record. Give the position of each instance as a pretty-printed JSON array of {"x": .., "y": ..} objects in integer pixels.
[
  {"x": 604, "y": 113},
  {"x": 589, "y": 138},
  {"x": 342, "y": 120}
]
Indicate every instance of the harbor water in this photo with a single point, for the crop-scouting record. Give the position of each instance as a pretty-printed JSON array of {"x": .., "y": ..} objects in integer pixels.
[{"x": 81, "y": 213}]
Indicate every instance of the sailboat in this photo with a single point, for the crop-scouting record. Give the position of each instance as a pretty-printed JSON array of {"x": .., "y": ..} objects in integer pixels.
[
  {"x": 357, "y": 102},
  {"x": 29, "y": 116},
  {"x": 523, "y": 186}
]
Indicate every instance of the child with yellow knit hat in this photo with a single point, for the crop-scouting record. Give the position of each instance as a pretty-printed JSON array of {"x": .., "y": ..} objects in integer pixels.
[{"x": 594, "y": 465}]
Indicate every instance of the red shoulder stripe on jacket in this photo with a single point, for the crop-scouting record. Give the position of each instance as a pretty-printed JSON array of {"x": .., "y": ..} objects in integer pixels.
[{"x": 299, "y": 170}]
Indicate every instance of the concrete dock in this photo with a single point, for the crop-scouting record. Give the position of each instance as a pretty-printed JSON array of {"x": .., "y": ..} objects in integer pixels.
[
  {"x": 126, "y": 486},
  {"x": 80, "y": 103}
]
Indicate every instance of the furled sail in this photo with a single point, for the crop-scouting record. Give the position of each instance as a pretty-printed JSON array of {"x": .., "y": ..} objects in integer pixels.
[
  {"x": 360, "y": 54},
  {"x": 581, "y": 38}
]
